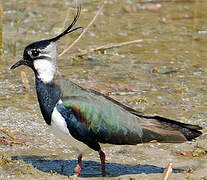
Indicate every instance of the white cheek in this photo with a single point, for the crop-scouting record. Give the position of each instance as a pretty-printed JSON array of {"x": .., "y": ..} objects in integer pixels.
[{"x": 45, "y": 69}]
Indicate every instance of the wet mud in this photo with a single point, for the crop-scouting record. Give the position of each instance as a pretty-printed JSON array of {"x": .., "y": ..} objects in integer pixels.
[{"x": 166, "y": 74}]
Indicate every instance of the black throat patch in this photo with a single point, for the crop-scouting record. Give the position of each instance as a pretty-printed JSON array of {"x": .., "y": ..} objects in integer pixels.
[{"x": 48, "y": 95}]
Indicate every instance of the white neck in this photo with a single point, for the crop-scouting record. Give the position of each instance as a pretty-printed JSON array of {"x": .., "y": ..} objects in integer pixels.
[{"x": 45, "y": 69}]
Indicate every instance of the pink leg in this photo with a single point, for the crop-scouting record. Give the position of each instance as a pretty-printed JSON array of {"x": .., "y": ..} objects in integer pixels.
[
  {"x": 79, "y": 165},
  {"x": 102, "y": 158}
]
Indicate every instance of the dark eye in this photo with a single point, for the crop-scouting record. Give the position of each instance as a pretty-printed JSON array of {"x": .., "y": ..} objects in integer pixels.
[{"x": 35, "y": 53}]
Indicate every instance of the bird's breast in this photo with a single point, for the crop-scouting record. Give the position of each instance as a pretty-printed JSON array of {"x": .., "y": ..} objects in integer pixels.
[{"x": 60, "y": 129}]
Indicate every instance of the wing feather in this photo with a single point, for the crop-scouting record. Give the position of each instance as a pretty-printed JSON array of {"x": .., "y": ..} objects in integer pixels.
[
  {"x": 115, "y": 123},
  {"x": 107, "y": 121}
]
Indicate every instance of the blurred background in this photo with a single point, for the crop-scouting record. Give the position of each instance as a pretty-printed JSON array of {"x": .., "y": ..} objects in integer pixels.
[{"x": 165, "y": 74}]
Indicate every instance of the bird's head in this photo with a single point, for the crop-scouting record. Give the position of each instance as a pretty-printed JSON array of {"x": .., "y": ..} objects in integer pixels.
[{"x": 41, "y": 56}]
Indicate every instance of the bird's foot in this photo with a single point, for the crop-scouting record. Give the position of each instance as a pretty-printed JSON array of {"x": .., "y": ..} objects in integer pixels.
[
  {"x": 77, "y": 169},
  {"x": 78, "y": 166}
]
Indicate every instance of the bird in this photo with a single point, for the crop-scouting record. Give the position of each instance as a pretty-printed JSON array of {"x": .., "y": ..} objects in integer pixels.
[{"x": 86, "y": 118}]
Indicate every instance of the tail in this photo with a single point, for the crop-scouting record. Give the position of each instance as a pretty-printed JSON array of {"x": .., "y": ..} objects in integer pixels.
[
  {"x": 168, "y": 131},
  {"x": 188, "y": 130}
]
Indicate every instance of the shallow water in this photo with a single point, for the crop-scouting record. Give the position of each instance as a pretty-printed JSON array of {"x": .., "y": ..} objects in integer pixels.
[{"x": 165, "y": 74}]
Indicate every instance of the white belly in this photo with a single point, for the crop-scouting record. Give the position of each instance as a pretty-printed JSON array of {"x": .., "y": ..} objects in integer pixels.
[{"x": 60, "y": 129}]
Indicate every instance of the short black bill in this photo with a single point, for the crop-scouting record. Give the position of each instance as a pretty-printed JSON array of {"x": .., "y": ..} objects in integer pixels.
[{"x": 17, "y": 64}]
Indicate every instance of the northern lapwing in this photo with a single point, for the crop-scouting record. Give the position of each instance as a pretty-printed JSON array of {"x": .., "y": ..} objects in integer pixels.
[{"x": 86, "y": 118}]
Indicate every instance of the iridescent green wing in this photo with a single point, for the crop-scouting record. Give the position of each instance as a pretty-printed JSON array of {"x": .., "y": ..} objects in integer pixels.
[{"x": 108, "y": 121}]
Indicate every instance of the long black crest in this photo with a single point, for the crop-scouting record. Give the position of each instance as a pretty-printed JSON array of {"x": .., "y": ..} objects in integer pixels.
[{"x": 69, "y": 29}]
